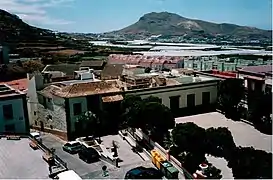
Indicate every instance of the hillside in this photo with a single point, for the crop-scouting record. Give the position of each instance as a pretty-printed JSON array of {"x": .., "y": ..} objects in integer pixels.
[
  {"x": 165, "y": 23},
  {"x": 13, "y": 29}
]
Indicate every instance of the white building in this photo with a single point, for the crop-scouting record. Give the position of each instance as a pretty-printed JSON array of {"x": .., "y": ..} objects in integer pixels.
[{"x": 13, "y": 111}]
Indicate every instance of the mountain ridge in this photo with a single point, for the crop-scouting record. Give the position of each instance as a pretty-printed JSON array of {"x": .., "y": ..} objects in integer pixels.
[
  {"x": 14, "y": 29},
  {"x": 166, "y": 23}
]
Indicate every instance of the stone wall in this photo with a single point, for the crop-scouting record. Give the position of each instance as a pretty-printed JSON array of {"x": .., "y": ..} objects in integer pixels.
[{"x": 53, "y": 118}]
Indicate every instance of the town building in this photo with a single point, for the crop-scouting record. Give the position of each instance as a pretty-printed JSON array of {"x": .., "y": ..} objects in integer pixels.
[
  {"x": 257, "y": 77},
  {"x": 61, "y": 103},
  {"x": 155, "y": 62},
  {"x": 13, "y": 111}
]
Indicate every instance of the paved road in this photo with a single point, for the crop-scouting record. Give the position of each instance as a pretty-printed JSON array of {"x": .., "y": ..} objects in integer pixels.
[
  {"x": 73, "y": 162},
  {"x": 117, "y": 173},
  {"x": 125, "y": 152}
]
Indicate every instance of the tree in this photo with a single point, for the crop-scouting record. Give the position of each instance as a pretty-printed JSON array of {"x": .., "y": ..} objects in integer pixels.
[
  {"x": 156, "y": 118},
  {"x": 191, "y": 161},
  {"x": 32, "y": 66},
  {"x": 213, "y": 173},
  {"x": 260, "y": 110},
  {"x": 219, "y": 141},
  {"x": 152, "y": 99},
  {"x": 131, "y": 108},
  {"x": 147, "y": 114},
  {"x": 230, "y": 94},
  {"x": 89, "y": 124},
  {"x": 189, "y": 137},
  {"x": 248, "y": 163}
]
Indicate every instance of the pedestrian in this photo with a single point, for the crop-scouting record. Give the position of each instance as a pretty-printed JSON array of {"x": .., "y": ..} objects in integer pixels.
[{"x": 104, "y": 171}]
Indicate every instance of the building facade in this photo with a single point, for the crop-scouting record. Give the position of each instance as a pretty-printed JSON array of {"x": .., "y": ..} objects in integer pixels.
[{"x": 13, "y": 111}]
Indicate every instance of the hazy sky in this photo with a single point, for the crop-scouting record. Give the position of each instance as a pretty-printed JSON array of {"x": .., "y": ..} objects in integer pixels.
[{"x": 107, "y": 15}]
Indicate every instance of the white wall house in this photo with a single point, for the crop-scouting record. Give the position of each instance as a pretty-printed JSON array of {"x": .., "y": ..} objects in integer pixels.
[
  {"x": 191, "y": 94},
  {"x": 13, "y": 111}
]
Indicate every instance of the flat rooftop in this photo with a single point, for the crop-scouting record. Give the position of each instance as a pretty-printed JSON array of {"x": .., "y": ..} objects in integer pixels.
[{"x": 19, "y": 161}]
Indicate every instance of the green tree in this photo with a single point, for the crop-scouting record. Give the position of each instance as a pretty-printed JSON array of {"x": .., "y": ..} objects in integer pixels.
[
  {"x": 157, "y": 118},
  {"x": 248, "y": 163},
  {"x": 32, "y": 66},
  {"x": 189, "y": 137},
  {"x": 230, "y": 94},
  {"x": 191, "y": 161},
  {"x": 219, "y": 141},
  {"x": 260, "y": 110},
  {"x": 131, "y": 108},
  {"x": 89, "y": 124},
  {"x": 152, "y": 99},
  {"x": 213, "y": 173}
]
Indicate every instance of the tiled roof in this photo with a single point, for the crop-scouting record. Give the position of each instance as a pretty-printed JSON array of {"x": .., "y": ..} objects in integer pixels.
[
  {"x": 263, "y": 69},
  {"x": 68, "y": 69},
  {"x": 19, "y": 84},
  {"x": 92, "y": 63},
  {"x": 112, "y": 70},
  {"x": 82, "y": 89},
  {"x": 112, "y": 98}
]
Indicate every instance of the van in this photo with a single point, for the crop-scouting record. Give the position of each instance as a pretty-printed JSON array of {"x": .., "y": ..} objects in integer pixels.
[{"x": 68, "y": 175}]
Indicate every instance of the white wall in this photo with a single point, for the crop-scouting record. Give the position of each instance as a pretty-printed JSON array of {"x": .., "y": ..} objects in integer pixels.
[
  {"x": 18, "y": 115},
  {"x": 183, "y": 91},
  {"x": 72, "y": 101},
  {"x": 32, "y": 100}
]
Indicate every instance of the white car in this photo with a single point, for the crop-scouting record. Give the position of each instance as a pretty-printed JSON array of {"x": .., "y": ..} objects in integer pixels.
[
  {"x": 68, "y": 175},
  {"x": 36, "y": 136}
]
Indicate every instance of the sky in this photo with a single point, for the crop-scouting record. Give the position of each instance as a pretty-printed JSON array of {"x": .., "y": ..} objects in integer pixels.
[{"x": 96, "y": 16}]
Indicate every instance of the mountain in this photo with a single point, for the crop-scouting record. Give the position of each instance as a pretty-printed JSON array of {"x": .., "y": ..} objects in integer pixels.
[
  {"x": 166, "y": 23},
  {"x": 13, "y": 29}
]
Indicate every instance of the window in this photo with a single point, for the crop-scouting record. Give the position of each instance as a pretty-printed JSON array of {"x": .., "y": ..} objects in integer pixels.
[
  {"x": 34, "y": 113},
  {"x": 10, "y": 128},
  {"x": 48, "y": 100},
  {"x": 77, "y": 107},
  {"x": 205, "y": 98},
  {"x": 8, "y": 111},
  {"x": 191, "y": 100},
  {"x": 174, "y": 102}
]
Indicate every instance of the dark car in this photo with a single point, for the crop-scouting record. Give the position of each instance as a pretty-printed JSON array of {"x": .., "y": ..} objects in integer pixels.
[
  {"x": 143, "y": 173},
  {"x": 72, "y": 147},
  {"x": 89, "y": 155}
]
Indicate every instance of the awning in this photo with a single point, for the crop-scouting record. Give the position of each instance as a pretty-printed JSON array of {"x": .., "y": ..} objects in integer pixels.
[{"x": 112, "y": 98}]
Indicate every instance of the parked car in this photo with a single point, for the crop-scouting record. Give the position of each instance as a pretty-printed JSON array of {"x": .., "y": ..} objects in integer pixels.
[
  {"x": 89, "y": 155},
  {"x": 143, "y": 173},
  {"x": 72, "y": 147},
  {"x": 36, "y": 136}
]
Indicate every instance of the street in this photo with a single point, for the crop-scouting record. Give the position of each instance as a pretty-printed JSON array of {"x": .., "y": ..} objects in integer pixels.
[{"x": 73, "y": 162}]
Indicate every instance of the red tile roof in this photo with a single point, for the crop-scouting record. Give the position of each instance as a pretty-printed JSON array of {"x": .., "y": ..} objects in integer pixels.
[{"x": 19, "y": 84}]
